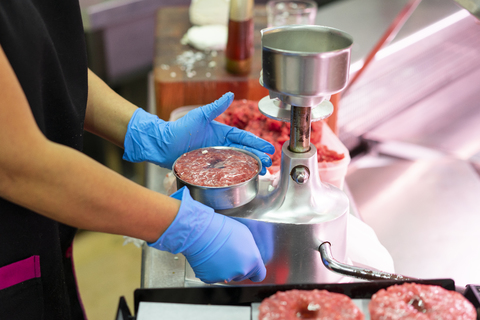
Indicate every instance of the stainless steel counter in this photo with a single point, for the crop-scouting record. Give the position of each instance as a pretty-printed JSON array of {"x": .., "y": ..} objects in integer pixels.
[
  {"x": 438, "y": 45},
  {"x": 419, "y": 189},
  {"x": 447, "y": 121},
  {"x": 418, "y": 105},
  {"x": 160, "y": 269},
  {"x": 425, "y": 212}
]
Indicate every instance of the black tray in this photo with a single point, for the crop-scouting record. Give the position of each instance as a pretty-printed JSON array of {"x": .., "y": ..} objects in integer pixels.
[{"x": 246, "y": 295}]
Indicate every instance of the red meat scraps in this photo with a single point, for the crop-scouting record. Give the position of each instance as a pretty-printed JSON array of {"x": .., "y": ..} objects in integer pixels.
[{"x": 244, "y": 114}]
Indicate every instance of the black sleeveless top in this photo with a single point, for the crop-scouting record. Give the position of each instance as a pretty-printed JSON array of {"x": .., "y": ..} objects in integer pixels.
[{"x": 44, "y": 42}]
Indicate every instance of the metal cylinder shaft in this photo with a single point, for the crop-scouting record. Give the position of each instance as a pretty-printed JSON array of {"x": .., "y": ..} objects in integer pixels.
[{"x": 300, "y": 129}]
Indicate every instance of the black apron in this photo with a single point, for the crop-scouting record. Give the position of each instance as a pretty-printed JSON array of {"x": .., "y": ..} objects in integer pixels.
[{"x": 44, "y": 42}]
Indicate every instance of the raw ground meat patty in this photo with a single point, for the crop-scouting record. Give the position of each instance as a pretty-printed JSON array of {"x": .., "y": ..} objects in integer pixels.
[
  {"x": 244, "y": 114},
  {"x": 308, "y": 304},
  {"x": 419, "y": 301},
  {"x": 211, "y": 167}
]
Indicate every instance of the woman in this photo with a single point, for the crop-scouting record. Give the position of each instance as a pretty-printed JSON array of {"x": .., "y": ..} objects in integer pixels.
[{"x": 48, "y": 188}]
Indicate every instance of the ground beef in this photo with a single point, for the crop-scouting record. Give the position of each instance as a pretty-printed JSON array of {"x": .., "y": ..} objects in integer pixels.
[
  {"x": 212, "y": 167},
  {"x": 308, "y": 304},
  {"x": 244, "y": 114},
  {"x": 417, "y": 301}
]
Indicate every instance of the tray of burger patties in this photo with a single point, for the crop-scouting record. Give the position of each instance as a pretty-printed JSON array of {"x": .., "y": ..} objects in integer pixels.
[{"x": 384, "y": 299}]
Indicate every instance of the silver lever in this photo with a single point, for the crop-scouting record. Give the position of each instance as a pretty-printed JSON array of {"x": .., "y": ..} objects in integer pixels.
[{"x": 352, "y": 271}]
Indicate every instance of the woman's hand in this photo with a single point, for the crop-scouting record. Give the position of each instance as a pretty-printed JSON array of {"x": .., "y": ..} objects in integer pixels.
[
  {"x": 151, "y": 139},
  {"x": 218, "y": 248}
]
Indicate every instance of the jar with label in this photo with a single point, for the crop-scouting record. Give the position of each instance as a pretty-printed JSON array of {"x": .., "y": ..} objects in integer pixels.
[{"x": 239, "y": 50}]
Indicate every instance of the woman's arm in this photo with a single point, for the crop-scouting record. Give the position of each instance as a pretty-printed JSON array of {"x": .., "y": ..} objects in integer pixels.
[
  {"x": 63, "y": 184},
  {"x": 66, "y": 185},
  {"x": 107, "y": 113}
]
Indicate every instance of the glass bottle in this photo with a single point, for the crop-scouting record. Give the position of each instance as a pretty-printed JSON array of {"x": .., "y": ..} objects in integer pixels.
[{"x": 239, "y": 50}]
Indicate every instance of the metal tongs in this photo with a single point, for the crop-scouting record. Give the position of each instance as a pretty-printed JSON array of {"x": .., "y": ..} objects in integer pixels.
[{"x": 355, "y": 272}]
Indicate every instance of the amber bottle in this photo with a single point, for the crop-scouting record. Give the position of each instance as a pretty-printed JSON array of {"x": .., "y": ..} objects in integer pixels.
[{"x": 239, "y": 50}]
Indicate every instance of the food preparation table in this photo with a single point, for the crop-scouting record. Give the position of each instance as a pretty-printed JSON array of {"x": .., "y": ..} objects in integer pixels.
[{"x": 175, "y": 87}]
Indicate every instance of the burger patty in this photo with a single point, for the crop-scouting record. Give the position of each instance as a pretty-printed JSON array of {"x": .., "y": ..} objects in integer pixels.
[
  {"x": 309, "y": 304},
  {"x": 212, "y": 167},
  {"x": 420, "y": 301}
]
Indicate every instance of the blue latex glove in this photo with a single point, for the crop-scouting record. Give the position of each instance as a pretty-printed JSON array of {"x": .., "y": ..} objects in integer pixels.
[
  {"x": 151, "y": 139},
  {"x": 217, "y": 247}
]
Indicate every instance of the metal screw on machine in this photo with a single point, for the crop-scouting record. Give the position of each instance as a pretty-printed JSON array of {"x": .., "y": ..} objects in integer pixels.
[{"x": 300, "y": 174}]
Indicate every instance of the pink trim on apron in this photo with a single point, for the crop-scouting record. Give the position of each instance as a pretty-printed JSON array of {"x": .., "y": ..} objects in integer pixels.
[{"x": 19, "y": 271}]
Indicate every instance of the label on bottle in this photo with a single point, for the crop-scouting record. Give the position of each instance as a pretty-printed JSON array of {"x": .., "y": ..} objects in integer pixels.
[{"x": 239, "y": 49}]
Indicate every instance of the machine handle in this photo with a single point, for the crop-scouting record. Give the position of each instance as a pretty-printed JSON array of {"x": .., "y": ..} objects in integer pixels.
[{"x": 352, "y": 271}]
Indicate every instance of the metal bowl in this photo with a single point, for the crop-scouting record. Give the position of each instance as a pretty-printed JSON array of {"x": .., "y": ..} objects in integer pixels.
[
  {"x": 305, "y": 63},
  {"x": 220, "y": 198}
]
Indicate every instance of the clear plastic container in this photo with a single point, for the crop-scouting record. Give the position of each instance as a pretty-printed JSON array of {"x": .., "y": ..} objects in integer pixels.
[{"x": 332, "y": 172}]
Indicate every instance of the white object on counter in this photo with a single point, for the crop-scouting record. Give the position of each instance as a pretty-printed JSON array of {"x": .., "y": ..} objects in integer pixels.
[
  {"x": 181, "y": 311},
  {"x": 364, "y": 249},
  {"x": 207, "y": 38}
]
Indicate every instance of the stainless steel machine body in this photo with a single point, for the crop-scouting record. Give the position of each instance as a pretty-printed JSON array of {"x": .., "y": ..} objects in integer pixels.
[{"x": 290, "y": 220}]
